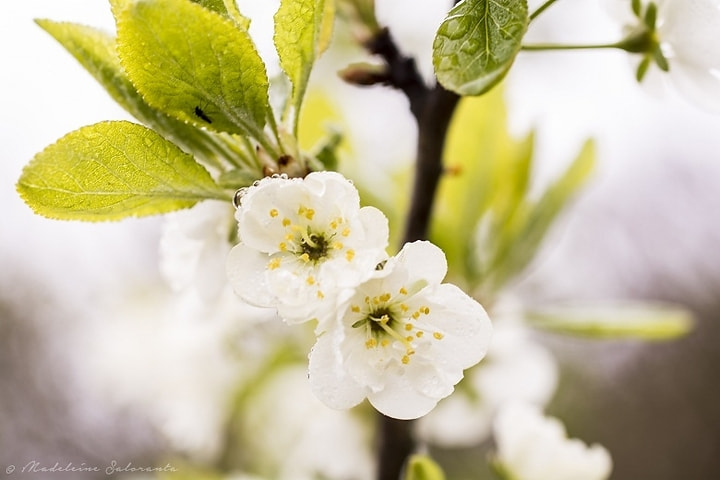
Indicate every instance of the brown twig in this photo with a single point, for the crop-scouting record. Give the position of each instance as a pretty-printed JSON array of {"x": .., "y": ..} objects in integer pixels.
[{"x": 433, "y": 109}]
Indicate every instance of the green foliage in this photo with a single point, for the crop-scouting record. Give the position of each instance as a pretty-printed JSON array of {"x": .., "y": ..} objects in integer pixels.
[
  {"x": 113, "y": 170},
  {"x": 476, "y": 44},
  {"x": 194, "y": 65},
  {"x": 422, "y": 467},
  {"x": 227, "y": 8},
  {"x": 302, "y": 32},
  {"x": 636, "y": 321},
  {"x": 95, "y": 50},
  {"x": 485, "y": 219}
]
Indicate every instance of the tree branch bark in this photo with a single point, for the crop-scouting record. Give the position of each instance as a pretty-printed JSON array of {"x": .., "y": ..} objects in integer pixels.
[{"x": 433, "y": 109}]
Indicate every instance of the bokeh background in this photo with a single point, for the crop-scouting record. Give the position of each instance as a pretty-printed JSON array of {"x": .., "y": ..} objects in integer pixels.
[{"x": 80, "y": 384}]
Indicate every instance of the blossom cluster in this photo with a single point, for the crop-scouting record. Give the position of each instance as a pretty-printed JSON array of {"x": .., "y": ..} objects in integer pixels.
[{"x": 387, "y": 328}]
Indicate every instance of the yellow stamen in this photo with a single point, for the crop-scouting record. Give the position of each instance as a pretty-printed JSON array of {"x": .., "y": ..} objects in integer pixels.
[
  {"x": 320, "y": 294},
  {"x": 355, "y": 308},
  {"x": 371, "y": 343},
  {"x": 405, "y": 359},
  {"x": 385, "y": 297},
  {"x": 338, "y": 246},
  {"x": 305, "y": 257},
  {"x": 419, "y": 334},
  {"x": 310, "y": 280},
  {"x": 283, "y": 246},
  {"x": 404, "y": 307},
  {"x": 403, "y": 291},
  {"x": 408, "y": 326},
  {"x": 274, "y": 213},
  {"x": 385, "y": 342},
  {"x": 438, "y": 335},
  {"x": 350, "y": 254},
  {"x": 286, "y": 222},
  {"x": 425, "y": 310},
  {"x": 274, "y": 263}
]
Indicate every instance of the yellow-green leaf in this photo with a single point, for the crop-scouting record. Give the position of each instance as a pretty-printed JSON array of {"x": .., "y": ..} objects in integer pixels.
[
  {"x": 302, "y": 32},
  {"x": 477, "y": 43},
  {"x": 113, "y": 170},
  {"x": 422, "y": 467},
  {"x": 638, "y": 321},
  {"x": 95, "y": 50},
  {"x": 194, "y": 64}
]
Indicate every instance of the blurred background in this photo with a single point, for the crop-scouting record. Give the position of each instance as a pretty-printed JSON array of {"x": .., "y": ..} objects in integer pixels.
[{"x": 87, "y": 380}]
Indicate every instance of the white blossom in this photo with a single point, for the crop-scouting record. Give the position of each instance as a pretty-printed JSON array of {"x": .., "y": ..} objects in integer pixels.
[
  {"x": 301, "y": 241},
  {"x": 516, "y": 368},
  {"x": 194, "y": 247},
  {"x": 302, "y": 439},
  {"x": 402, "y": 339},
  {"x": 531, "y": 446},
  {"x": 687, "y": 34}
]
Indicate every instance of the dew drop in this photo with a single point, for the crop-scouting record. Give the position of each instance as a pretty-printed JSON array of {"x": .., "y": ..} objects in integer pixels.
[
  {"x": 237, "y": 198},
  {"x": 455, "y": 29},
  {"x": 471, "y": 46}
]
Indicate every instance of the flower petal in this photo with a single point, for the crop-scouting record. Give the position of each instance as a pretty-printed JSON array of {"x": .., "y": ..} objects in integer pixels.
[
  {"x": 399, "y": 399},
  {"x": 245, "y": 268},
  {"x": 328, "y": 379}
]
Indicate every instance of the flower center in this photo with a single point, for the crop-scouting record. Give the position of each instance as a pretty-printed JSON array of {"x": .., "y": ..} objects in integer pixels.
[
  {"x": 386, "y": 321},
  {"x": 313, "y": 245}
]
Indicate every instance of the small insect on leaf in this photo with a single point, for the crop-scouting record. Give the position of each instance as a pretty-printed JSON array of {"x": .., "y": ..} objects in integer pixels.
[{"x": 201, "y": 115}]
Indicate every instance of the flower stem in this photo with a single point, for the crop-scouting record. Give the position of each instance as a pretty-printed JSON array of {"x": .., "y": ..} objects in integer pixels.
[
  {"x": 541, "y": 9},
  {"x": 553, "y": 46}
]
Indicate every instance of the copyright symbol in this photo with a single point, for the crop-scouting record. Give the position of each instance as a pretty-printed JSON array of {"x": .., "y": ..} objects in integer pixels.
[{"x": 10, "y": 469}]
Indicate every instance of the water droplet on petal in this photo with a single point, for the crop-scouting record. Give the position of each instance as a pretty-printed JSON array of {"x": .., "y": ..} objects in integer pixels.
[{"x": 237, "y": 198}]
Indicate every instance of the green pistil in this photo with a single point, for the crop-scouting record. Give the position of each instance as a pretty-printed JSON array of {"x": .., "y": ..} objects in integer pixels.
[{"x": 315, "y": 246}]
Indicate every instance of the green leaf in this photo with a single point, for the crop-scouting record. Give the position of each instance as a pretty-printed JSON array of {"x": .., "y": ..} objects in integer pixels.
[
  {"x": 193, "y": 64},
  {"x": 422, "y": 467},
  {"x": 214, "y": 5},
  {"x": 302, "y": 32},
  {"x": 636, "y": 321},
  {"x": 95, "y": 50},
  {"x": 522, "y": 235},
  {"x": 227, "y": 8},
  {"x": 113, "y": 170},
  {"x": 477, "y": 43}
]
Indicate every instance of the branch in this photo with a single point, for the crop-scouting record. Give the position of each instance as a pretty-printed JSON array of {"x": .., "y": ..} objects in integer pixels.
[
  {"x": 433, "y": 110},
  {"x": 433, "y": 124},
  {"x": 401, "y": 71}
]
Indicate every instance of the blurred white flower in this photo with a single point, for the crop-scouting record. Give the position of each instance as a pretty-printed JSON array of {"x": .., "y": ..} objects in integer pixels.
[
  {"x": 194, "y": 247},
  {"x": 516, "y": 368},
  {"x": 176, "y": 361},
  {"x": 402, "y": 339},
  {"x": 301, "y": 240},
  {"x": 686, "y": 32},
  {"x": 531, "y": 446},
  {"x": 303, "y": 439}
]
